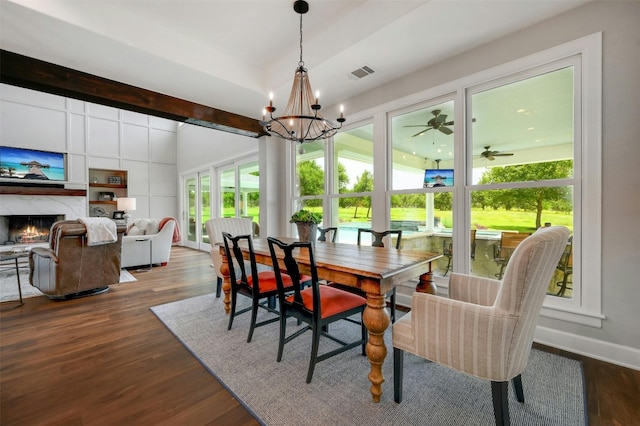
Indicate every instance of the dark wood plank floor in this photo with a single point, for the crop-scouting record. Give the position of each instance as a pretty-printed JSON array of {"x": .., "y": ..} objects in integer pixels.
[{"x": 107, "y": 359}]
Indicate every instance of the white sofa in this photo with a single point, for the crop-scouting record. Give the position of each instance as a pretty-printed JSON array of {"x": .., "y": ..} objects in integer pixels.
[{"x": 136, "y": 248}]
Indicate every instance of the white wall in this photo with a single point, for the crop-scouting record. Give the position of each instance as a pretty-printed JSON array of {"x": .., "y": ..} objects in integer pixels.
[
  {"x": 201, "y": 147},
  {"x": 96, "y": 136}
]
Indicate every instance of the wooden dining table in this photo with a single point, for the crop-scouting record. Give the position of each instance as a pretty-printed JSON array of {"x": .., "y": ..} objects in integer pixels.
[{"x": 375, "y": 270}]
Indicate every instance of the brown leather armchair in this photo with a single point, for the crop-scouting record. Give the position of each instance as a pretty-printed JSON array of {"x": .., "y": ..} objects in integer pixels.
[{"x": 69, "y": 267}]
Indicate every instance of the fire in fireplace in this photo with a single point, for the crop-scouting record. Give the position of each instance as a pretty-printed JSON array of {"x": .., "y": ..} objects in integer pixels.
[{"x": 27, "y": 229}]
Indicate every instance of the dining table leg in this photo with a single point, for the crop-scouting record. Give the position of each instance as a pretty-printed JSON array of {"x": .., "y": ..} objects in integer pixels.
[
  {"x": 376, "y": 319},
  {"x": 226, "y": 281},
  {"x": 426, "y": 284}
]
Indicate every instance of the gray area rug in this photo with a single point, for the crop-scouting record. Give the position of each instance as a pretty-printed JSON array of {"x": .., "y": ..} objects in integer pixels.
[
  {"x": 339, "y": 392},
  {"x": 9, "y": 282}
]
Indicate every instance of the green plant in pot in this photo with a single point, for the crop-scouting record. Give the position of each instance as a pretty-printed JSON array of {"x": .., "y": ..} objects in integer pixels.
[{"x": 307, "y": 223}]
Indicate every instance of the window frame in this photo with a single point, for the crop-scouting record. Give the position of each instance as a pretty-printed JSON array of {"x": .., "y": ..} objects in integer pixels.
[{"x": 586, "y": 306}]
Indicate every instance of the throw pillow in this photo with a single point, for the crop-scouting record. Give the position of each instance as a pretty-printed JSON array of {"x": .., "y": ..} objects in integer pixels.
[
  {"x": 135, "y": 231},
  {"x": 153, "y": 226},
  {"x": 142, "y": 224}
]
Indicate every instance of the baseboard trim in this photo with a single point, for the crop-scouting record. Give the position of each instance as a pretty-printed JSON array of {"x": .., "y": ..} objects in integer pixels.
[{"x": 624, "y": 356}]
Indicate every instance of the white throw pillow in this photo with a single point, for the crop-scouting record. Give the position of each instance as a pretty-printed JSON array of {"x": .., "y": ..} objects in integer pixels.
[
  {"x": 135, "y": 231},
  {"x": 152, "y": 227},
  {"x": 142, "y": 224}
]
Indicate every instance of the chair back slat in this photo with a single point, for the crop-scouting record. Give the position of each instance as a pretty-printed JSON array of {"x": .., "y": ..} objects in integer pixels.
[
  {"x": 236, "y": 261},
  {"x": 292, "y": 268},
  {"x": 332, "y": 231},
  {"x": 379, "y": 235}
]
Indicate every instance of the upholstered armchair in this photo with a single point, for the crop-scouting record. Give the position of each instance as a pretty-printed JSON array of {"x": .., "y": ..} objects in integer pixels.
[
  {"x": 148, "y": 242},
  {"x": 215, "y": 228},
  {"x": 70, "y": 267},
  {"x": 485, "y": 328}
]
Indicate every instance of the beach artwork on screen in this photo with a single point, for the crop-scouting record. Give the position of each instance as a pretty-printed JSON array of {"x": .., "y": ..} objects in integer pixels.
[{"x": 31, "y": 164}]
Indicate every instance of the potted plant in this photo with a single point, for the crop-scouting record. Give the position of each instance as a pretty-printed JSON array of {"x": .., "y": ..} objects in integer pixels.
[{"x": 307, "y": 223}]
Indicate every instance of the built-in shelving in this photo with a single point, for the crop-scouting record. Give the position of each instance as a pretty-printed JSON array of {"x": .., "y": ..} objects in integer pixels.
[{"x": 105, "y": 187}]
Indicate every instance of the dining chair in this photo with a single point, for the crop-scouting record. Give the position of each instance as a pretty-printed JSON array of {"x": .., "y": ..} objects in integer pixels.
[
  {"x": 508, "y": 243},
  {"x": 566, "y": 267},
  {"x": 260, "y": 287},
  {"x": 317, "y": 305},
  {"x": 215, "y": 227},
  {"x": 485, "y": 328},
  {"x": 331, "y": 231},
  {"x": 377, "y": 241}
]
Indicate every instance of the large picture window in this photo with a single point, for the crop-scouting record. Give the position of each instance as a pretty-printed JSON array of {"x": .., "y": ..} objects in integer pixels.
[{"x": 469, "y": 167}]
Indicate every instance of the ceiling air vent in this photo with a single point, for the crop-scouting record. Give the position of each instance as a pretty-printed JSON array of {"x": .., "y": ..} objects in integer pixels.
[{"x": 362, "y": 72}]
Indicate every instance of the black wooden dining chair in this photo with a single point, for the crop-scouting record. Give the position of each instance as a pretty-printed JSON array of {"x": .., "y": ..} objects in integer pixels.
[
  {"x": 260, "y": 287},
  {"x": 377, "y": 238},
  {"x": 331, "y": 231},
  {"x": 317, "y": 305}
]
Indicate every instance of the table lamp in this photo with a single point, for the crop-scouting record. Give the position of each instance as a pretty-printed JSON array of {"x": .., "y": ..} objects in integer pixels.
[{"x": 126, "y": 204}]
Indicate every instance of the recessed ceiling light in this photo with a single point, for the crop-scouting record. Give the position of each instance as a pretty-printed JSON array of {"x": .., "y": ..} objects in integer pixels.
[{"x": 531, "y": 128}]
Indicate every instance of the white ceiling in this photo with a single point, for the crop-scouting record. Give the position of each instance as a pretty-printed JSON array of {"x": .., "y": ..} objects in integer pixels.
[{"x": 229, "y": 54}]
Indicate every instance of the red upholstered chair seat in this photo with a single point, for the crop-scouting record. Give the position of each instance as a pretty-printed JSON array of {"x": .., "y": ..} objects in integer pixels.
[
  {"x": 267, "y": 280},
  {"x": 332, "y": 300}
]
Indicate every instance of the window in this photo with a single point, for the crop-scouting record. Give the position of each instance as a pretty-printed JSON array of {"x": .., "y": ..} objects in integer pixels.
[
  {"x": 348, "y": 177},
  {"x": 240, "y": 190},
  {"x": 521, "y": 151},
  {"x": 521, "y": 143}
]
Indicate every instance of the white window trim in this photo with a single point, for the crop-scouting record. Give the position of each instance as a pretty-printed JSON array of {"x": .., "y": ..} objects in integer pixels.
[{"x": 586, "y": 306}]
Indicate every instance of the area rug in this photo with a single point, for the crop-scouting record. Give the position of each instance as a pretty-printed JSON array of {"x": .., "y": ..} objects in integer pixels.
[
  {"x": 9, "y": 283},
  {"x": 277, "y": 393}
]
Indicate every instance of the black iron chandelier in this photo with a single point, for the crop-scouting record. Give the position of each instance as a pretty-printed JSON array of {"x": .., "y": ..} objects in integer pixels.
[{"x": 302, "y": 121}]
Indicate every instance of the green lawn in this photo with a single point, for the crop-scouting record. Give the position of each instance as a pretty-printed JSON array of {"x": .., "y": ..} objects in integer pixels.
[{"x": 514, "y": 220}]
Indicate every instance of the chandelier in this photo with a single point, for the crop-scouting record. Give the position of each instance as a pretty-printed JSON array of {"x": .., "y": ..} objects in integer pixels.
[{"x": 302, "y": 121}]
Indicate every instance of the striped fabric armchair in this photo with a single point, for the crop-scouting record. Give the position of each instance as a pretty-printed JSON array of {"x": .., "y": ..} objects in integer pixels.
[{"x": 485, "y": 328}]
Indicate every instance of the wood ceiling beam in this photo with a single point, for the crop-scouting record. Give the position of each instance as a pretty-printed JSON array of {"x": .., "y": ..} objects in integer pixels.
[{"x": 30, "y": 73}]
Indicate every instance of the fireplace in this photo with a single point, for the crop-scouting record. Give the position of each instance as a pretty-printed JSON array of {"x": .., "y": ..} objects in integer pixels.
[{"x": 27, "y": 229}]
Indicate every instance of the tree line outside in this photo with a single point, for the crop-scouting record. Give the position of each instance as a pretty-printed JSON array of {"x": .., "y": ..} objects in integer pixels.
[{"x": 520, "y": 209}]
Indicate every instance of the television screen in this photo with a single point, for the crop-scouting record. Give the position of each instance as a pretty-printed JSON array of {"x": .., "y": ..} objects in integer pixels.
[
  {"x": 31, "y": 164},
  {"x": 438, "y": 177}
]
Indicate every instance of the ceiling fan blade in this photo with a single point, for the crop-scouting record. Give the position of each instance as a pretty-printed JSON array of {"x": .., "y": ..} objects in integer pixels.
[
  {"x": 440, "y": 119},
  {"x": 421, "y": 132},
  {"x": 448, "y": 123},
  {"x": 505, "y": 154},
  {"x": 445, "y": 130}
]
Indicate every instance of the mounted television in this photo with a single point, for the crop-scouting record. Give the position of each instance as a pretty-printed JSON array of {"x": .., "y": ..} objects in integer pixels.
[
  {"x": 22, "y": 164},
  {"x": 434, "y": 178}
]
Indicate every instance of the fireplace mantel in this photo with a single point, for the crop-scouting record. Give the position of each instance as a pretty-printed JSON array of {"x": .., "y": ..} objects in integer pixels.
[{"x": 41, "y": 190}]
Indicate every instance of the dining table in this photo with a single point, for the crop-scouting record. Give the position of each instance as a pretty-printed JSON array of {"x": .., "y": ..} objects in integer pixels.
[{"x": 374, "y": 270}]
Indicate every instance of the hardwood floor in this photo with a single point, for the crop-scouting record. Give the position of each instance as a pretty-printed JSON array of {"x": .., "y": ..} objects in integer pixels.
[{"x": 107, "y": 359}]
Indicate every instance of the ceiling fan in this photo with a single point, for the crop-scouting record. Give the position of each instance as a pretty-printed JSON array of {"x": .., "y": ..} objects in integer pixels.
[
  {"x": 438, "y": 122},
  {"x": 490, "y": 155}
]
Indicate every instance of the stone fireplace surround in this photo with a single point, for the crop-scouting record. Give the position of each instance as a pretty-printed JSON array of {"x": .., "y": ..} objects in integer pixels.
[{"x": 71, "y": 207}]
